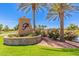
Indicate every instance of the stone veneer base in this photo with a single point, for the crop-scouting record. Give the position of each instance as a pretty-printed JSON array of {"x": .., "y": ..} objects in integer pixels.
[{"x": 22, "y": 40}]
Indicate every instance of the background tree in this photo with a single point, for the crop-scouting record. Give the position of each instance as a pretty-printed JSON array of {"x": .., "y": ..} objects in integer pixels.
[
  {"x": 41, "y": 27},
  {"x": 72, "y": 27},
  {"x": 16, "y": 27},
  {"x": 26, "y": 7},
  {"x": 60, "y": 11},
  {"x": 6, "y": 28},
  {"x": 1, "y": 27}
]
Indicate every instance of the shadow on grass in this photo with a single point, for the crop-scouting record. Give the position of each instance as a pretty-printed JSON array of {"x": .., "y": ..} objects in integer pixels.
[
  {"x": 62, "y": 49},
  {"x": 19, "y": 45}
]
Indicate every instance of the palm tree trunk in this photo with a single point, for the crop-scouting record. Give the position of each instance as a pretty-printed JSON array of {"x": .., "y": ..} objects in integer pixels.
[
  {"x": 33, "y": 9},
  {"x": 34, "y": 26},
  {"x": 61, "y": 15}
]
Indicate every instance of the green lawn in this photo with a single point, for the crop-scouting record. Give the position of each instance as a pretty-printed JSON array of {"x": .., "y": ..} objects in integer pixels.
[{"x": 35, "y": 50}]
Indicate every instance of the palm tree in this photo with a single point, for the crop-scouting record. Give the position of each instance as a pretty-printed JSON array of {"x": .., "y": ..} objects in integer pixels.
[
  {"x": 60, "y": 11},
  {"x": 35, "y": 8}
]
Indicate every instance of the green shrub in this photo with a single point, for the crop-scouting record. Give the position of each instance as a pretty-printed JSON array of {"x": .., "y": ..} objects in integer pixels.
[
  {"x": 24, "y": 35},
  {"x": 36, "y": 32},
  {"x": 0, "y": 33},
  {"x": 43, "y": 33},
  {"x": 53, "y": 34},
  {"x": 70, "y": 35},
  {"x": 50, "y": 34},
  {"x": 13, "y": 35}
]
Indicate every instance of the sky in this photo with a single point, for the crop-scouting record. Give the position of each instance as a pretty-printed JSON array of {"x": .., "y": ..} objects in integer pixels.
[{"x": 9, "y": 15}]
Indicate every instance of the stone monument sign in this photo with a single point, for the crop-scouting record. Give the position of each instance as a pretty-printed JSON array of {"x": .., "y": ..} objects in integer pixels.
[{"x": 24, "y": 26}]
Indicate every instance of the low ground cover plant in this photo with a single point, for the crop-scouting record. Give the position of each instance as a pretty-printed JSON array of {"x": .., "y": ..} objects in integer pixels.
[{"x": 70, "y": 35}]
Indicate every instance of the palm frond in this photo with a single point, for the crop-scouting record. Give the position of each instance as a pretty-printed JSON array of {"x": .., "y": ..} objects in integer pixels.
[
  {"x": 67, "y": 15},
  {"x": 37, "y": 11},
  {"x": 75, "y": 8},
  {"x": 40, "y": 6},
  {"x": 27, "y": 10},
  {"x": 24, "y": 8},
  {"x": 44, "y": 5},
  {"x": 49, "y": 15},
  {"x": 67, "y": 6},
  {"x": 41, "y": 9},
  {"x": 70, "y": 7},
  {"x": 23, "y": 5},
  {"x": 52, "y": 18}
]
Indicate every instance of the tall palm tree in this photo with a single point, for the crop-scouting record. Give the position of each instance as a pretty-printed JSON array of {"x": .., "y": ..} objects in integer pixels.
[
  {"x": 35, "y": 8},
  {"x": 60, "y": 10}
]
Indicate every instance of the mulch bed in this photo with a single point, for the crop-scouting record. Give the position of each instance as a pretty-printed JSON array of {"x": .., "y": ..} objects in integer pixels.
[{"x": 58, "y": 44}]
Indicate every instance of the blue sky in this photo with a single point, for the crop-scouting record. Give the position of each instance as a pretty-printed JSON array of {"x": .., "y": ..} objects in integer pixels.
[{"x": 9, "y": 15}]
